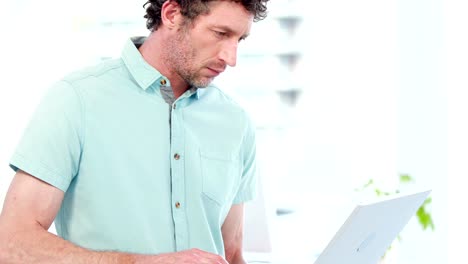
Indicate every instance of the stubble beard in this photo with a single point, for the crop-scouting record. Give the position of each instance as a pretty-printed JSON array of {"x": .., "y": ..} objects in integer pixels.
[{"x": 181, "y": 57}]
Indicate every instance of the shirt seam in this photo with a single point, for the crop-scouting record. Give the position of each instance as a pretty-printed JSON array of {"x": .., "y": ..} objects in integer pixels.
[
  {"x": 82, "y": 111},
  {"x": 72, "y": 79}
]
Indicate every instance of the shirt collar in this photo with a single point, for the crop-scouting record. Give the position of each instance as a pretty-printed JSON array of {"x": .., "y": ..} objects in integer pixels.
[
  {"x": 196, "y": 91},
  {"x": 143, "y": 73}
]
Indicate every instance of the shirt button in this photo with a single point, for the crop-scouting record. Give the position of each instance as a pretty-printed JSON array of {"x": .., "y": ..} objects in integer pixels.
[
  {"x": 176, "y": 156},
  {"x": 177, "y": 205},
  {"x": 174, "y": 106},
  {"x": 163, "y": 82}
]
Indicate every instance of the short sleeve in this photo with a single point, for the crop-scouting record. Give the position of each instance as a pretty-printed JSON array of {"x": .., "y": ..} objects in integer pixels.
[
  {"x": 50, "y": 147},
  {"x": 248, "y": 186}
]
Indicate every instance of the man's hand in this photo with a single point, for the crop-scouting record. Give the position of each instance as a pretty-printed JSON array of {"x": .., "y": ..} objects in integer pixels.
[{"x": 191, "y": 256}]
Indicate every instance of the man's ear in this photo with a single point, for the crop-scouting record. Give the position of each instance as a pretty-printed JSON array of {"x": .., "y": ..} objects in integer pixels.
[{"x": 170, "y": 14}]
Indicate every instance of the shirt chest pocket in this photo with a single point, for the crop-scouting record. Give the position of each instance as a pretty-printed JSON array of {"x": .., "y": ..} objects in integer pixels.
[{"x": 220, "y": 176}]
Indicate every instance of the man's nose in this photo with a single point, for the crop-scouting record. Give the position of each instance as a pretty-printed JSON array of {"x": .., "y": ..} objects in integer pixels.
[{"x": 229, "y": 54}]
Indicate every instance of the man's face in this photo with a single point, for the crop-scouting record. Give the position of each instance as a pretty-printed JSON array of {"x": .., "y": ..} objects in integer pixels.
[{"x": 202, "y": 49}]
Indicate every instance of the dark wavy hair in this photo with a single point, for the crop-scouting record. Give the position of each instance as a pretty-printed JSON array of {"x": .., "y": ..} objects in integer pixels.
[{"x": 192, "y": 8}]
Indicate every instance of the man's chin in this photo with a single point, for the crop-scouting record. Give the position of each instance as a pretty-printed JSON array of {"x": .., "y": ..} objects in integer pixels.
[{"x": 202, "y": 83}]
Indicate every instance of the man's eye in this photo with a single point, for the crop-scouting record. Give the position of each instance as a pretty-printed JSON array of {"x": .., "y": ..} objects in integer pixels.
[{"x": 220, "y": 33}]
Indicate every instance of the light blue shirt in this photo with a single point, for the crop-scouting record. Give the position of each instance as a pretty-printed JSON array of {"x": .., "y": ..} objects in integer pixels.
[{"x": 133, "y": 182}]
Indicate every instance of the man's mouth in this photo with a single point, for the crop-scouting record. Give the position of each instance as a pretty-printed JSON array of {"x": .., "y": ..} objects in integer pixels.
[{"x": 215, "y": 71}]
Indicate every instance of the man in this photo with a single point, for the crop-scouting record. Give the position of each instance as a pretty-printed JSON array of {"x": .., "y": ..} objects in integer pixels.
[{"x": 135, "y": 159}]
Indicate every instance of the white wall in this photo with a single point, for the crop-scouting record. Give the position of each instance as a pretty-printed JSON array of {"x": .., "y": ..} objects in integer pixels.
[
  {"x": 34, "y": 51},
  {"x": 422, "y": 121},
  {"x": 456, "y": 37}
]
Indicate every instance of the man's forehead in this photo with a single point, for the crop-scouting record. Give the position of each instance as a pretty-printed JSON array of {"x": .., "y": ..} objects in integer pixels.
[
  {"x": 231, "y": 17},
  {"x": 226, "y": 8}
]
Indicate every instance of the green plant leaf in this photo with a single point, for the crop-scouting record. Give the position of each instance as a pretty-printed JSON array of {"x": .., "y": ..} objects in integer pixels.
[
  {"x": 405, "y": 178},
  {"x": 365, "y": 186},
  {"x": 427, "y": 201},
  {"x": 425, "y": 219},
  {"x": 369, "y": 183}
]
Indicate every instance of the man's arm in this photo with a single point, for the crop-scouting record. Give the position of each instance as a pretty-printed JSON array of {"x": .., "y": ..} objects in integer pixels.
[
  {"x": 233, "y": 231},
  {"x": 30, "y": 208}
]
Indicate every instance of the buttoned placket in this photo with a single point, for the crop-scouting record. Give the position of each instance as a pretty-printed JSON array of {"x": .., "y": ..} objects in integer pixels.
[{"x": 178, "y": 175}]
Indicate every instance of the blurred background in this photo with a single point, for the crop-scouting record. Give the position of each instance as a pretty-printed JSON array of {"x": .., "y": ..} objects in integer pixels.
[{"x": 342, "y": 92}]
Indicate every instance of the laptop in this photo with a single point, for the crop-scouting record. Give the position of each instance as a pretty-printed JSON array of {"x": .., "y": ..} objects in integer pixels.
[
  {"x": 366, "y": 234},
  {"x": 370, "y": 229}
]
